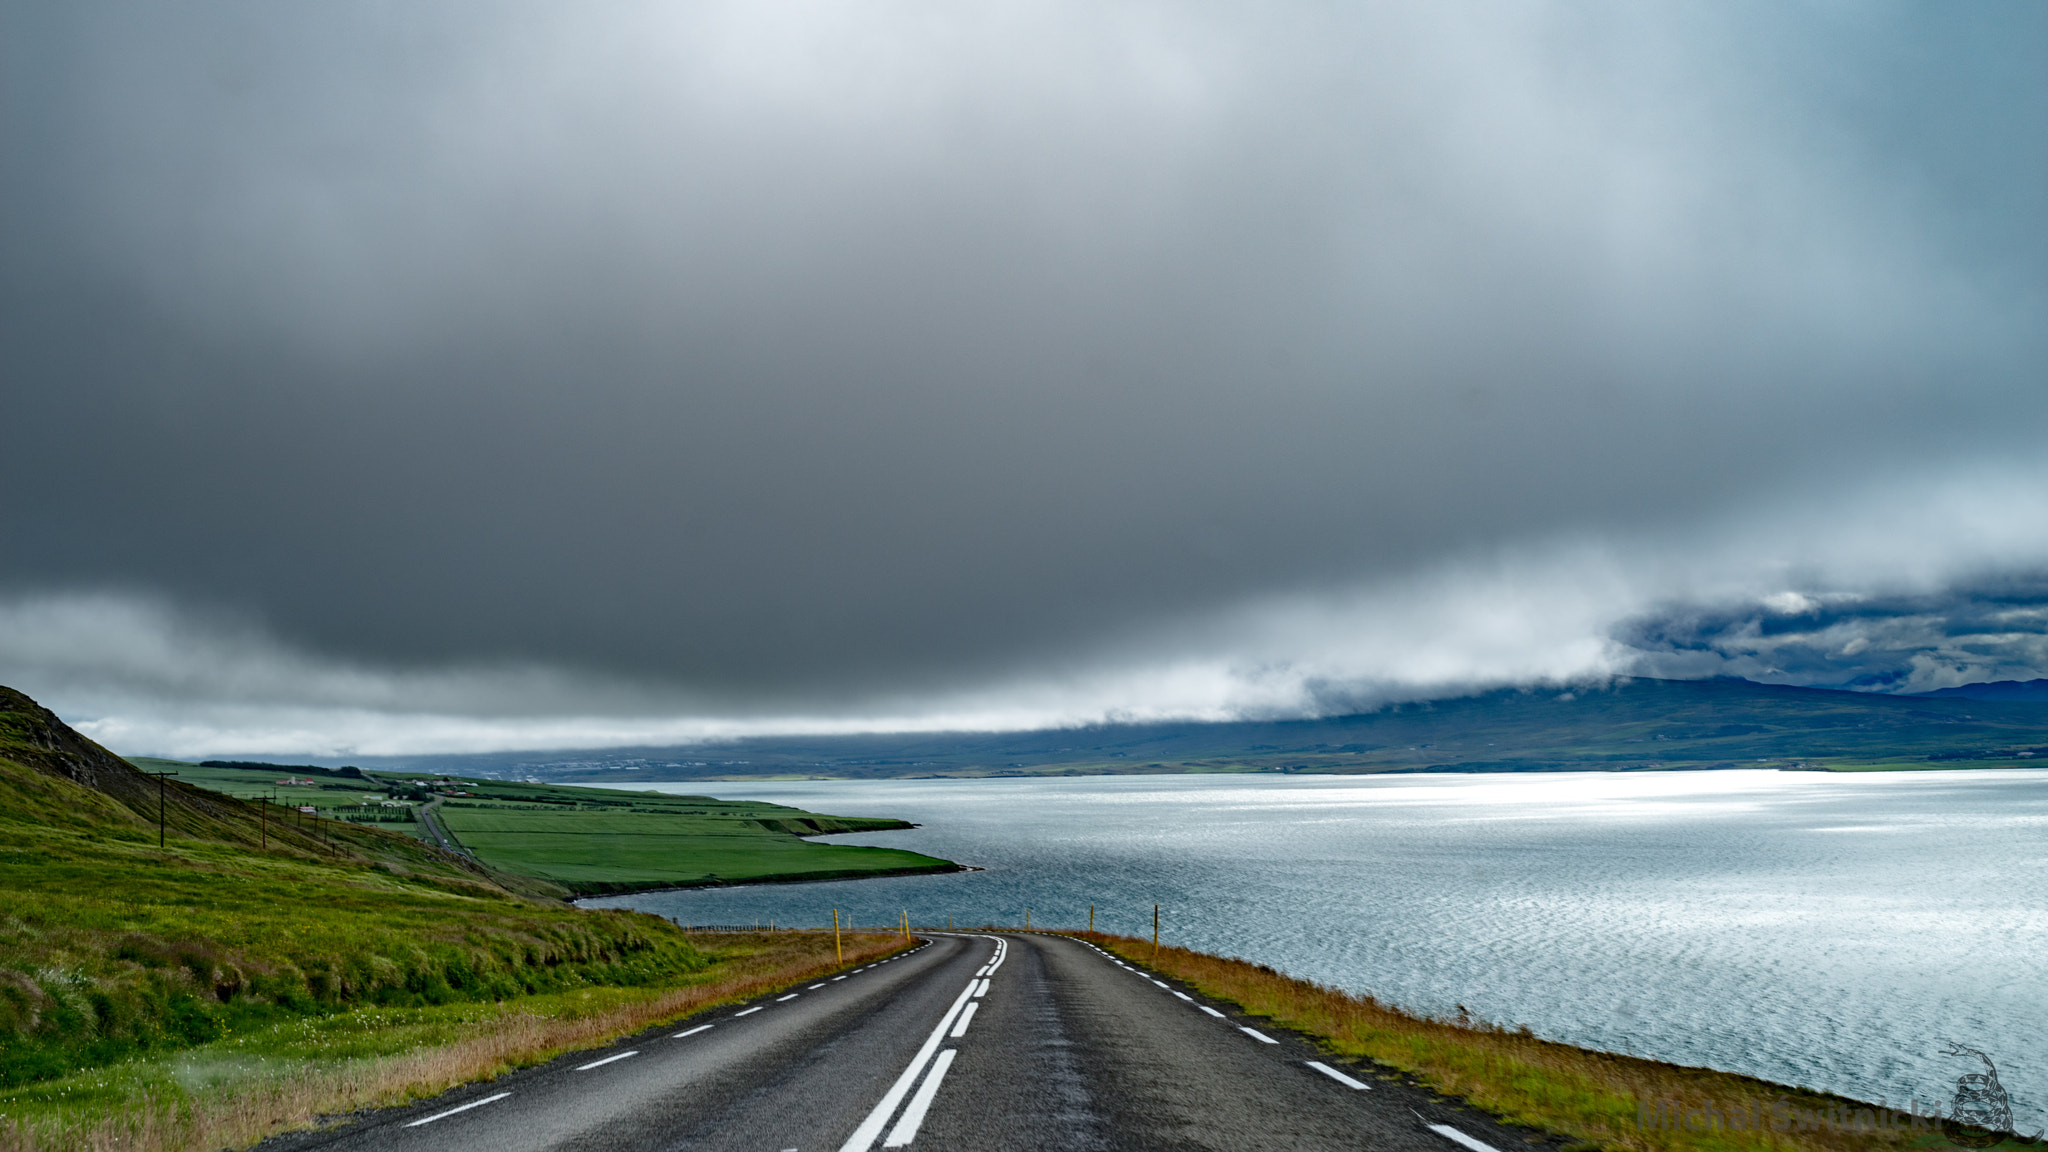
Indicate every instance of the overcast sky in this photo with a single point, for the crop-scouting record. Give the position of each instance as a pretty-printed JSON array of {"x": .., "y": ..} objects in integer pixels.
[{"x": 446, "y": 376}]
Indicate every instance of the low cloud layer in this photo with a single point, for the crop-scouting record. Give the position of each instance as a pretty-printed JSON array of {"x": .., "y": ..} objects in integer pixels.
[{"x": 495, "y": 376}]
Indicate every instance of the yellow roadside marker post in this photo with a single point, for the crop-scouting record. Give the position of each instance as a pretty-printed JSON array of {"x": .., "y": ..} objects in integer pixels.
[
  {"x": 906, "y": 926},
  {"x": 1027, "y": 919},
  {"x": 1155, "y": 931},
  {"x": 838, "y": 953},
  {"x": 1091, "y": 919}
]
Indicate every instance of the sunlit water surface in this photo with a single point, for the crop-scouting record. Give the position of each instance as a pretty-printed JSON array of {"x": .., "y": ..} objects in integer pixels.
[{"x": 1824, "y": 930}]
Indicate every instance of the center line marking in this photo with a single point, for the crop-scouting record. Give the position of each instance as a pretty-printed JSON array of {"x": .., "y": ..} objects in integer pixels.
[
  {"x": 748, "y": 1012},
  {"x": 1210, "y": 1011},
  {"x": 691, "y": 1032},
  {"x": 814, "y": 987},
  {"x": 1452, "y": 1134},
  {"x": 459, "y": 1108},
  {"x": 791, "y": 996},
  {"x": 1261, "y": 1037},
  {"x": 913, "y": 1116},
  {"x": 863, "y": 1137},
  {"x": 1339, "y": 1077},
  {"x": 983, "y": 991},
  {"x": 605, "y": 1061},
  {"x": 960, "y": 1029}
]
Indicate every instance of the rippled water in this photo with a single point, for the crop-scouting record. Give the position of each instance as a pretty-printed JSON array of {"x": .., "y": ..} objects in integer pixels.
[{"x": 1825, "y": 930}]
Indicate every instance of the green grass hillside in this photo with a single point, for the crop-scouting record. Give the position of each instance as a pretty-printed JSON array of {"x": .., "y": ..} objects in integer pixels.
[{"x": 113, "y": 947}]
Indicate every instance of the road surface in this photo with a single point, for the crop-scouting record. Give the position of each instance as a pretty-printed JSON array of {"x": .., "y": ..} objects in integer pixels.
[{"x": 972, "y": 1041}]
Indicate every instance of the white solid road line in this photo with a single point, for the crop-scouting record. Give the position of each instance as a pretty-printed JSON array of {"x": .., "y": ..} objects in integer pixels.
[
  {"x": 960, "y": 1029},
  {"x": 1452, "y": 1134},
  {"x": 459, "y": 1108},
  {"x": 1210, "y": 1011},
  {"x": 863, "y": 1137},
  {"x": 691, "y": 1032},
  {"x": 748, "y": 1012},
  {"x": 1339, "y": 1077},
  {"x": 605, "y": 1061},
  {"x": 1256, "y": 1035},
  {"x": 913, "y": 1117},
  {"x": 983, "y": 990},
  {"x": 791, "y": 996}
]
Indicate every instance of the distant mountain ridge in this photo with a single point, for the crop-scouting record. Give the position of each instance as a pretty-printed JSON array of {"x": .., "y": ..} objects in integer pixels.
[
  {"x": 1996, "y": 690},
  {"x": 1626, "y": 725}
]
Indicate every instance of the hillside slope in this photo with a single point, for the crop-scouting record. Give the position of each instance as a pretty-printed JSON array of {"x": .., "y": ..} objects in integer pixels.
[{"x": 112, "y": 946}]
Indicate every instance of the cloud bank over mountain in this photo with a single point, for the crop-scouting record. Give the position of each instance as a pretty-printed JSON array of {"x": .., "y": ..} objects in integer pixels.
[{"x": 464, "y": 376}]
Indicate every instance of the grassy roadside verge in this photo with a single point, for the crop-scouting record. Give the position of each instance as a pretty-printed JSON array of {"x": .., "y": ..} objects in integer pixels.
[
  {"x": 1599, "y": 1099},
  {"x": 242, "y": 1088}
]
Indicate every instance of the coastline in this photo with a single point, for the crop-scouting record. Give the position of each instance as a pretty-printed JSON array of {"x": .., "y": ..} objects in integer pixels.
[
  {"x": 1601, "y": 1100},
  {"x": 626, "y": 888}
]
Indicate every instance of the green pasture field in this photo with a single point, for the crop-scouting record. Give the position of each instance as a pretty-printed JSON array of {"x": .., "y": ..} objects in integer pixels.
[
  {"x": 588, "y": 840},
  {"x": 639, "y": 846}
]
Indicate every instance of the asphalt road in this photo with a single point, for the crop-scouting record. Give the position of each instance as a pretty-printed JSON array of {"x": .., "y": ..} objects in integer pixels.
[{"x": 972, "y": 1041}]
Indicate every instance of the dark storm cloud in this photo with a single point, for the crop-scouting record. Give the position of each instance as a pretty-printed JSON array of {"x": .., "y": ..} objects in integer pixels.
[{"x": 705, "y": 360}]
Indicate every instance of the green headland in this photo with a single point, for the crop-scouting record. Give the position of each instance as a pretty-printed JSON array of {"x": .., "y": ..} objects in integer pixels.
[{"x": 581, "y": 841}]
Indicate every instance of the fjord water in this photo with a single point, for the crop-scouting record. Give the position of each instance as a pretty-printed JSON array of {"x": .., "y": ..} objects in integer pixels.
[{"x": 1832, "y": 931}]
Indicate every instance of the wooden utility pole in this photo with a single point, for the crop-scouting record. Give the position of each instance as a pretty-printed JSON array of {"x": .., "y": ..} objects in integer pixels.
[
  {"x": 1091, "y": 918},
  {"x": 838, "y": 953},
  {"x": 263, "y": 820},
  {"x": 160, "y": 804}
]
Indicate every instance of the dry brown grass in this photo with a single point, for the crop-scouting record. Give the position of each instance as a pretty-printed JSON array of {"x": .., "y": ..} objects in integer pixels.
[
  {"x": 1595, "y": 1097},
  {"x": 752, "y": 964}
]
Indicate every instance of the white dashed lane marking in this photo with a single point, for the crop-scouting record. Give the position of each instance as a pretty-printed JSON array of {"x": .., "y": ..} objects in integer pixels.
[
  {"x": 691, "y": 1032},
  {"x": 1339, "y": 1077},
  {"x": 605, "y": 1061},
  {"x": 1261, "y": 1037},
  {"x": 748, "y": 1012},
  {"x": 459, "y": 1108},
  {"x": 1457, "y": 1137},
  {"x": 791, "y": 996},
  {"x": 1210, "y": 1011}
]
